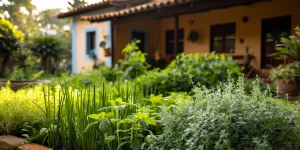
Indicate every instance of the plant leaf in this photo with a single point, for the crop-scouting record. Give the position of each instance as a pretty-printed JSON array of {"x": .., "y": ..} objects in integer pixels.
[
  {"x": 109, "y": 138},
  {"x": 90, "y": 125}
]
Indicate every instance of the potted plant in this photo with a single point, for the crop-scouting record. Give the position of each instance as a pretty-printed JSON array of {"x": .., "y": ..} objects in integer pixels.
[
  {"x": 290, "y": 47},
  {"x": 287, "y": 78},
  {"x": 106, "y": 50}
]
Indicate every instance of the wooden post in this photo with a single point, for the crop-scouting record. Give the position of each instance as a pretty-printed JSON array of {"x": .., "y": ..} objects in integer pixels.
[
  {"x": 112, "y": 34},
  {"x": 176, "y": 35}
]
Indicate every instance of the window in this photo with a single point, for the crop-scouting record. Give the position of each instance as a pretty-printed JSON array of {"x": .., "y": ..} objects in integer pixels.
[
  {"x": 223, "y": 38},
  {"x": 142, "y": 36},
  {"x": 90, "y": 42},
  {"x": 170, "y": 41}
]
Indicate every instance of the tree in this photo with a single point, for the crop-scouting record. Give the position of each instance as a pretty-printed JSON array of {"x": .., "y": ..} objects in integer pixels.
[
  {"x": 10, "y": 40},
  {"x": 46, "y": 47},
  {"x": 22, "y": 14},
  {"x": 76, "y": 3}
]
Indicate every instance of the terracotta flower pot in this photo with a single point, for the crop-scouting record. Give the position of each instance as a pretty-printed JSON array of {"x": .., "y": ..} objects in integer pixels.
[
  {"x": 106, "y": 52},
  {"x": 292, "y": 89}
]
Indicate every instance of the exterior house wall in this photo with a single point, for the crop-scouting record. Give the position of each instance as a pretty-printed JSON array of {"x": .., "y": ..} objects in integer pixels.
[
  {"x": 156, "y": 29},
  {"x": 80, "y": 61},
  {"x": 250, "y": 31},
  {"x": 83, "y": 62},
  {"x": 123, "y": 36}
]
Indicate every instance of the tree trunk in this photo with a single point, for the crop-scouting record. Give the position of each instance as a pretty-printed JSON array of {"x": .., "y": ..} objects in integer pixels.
[
  {"x": 43, "y": 63},
  {"x": 3, "y": 66}
]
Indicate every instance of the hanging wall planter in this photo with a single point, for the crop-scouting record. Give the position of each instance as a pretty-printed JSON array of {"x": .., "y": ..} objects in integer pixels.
[
  {"x": 106, "y": 52},
  {"x": 193, "y": 36}
]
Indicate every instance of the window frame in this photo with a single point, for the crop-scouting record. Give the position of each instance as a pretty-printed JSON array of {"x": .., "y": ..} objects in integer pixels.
[
  {"x": 171, "y": 41},
  {"x": 224, "y": 27},
  {"x": 86, "y": 31},
  {"x": 146, "y": 46}
]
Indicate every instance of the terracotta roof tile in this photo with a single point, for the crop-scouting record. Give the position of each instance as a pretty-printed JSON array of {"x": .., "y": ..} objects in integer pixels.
[
  {"x": 83, "y": 9},
  {"x": 140, "y": 8}
]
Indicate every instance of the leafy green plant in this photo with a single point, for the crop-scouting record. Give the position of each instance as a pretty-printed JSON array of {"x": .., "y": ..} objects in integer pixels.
[
  {"x": 134, "y": 62},
  {"x": 35, "y": 133},
  {"x": 97, "y": 118},
  {"x": 207, "y": 69},
  {"x": 290, "y": 47},
  {"x": 288, "y": 73},
  {"x": 135, "y": 124},
  {"x": 249, "y": 85},
  {"x": 46, "y": 47},
  {"x": 24, "y": 74},
  {"x": 111, "y": 73},
  {"x": 228, "y": 118},
  {"x": 10, "y": 42},
  {"x": 19, "y": 107}
]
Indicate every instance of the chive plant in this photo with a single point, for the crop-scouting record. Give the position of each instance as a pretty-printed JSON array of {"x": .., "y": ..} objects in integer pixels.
[{"x": 97, "y": 117}]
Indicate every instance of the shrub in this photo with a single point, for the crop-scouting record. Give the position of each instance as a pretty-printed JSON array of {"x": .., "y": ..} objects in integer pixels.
[
  {"x": 290, "y": 47},
  {"x": 207, "y": 69},
  {"x": 134, "y": 63},
  {"x": 228, "y": 118},
  {"x": 111, "y": 73},
  {"x": 10, "y": 42},
  {"x": 20, "y": 107},
  {"x": 288, "y": 73},
  {"x": 249, "y": 84},
  {"x": 46, "y": 48}
]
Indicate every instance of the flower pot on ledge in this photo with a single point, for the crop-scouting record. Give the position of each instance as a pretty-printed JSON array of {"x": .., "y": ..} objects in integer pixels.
[
  {"x": 292, "y": 88},
  {"x": 106, "y": 52}
]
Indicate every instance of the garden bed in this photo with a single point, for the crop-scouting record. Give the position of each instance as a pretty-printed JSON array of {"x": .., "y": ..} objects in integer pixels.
[{"x": 15, "y": 85}]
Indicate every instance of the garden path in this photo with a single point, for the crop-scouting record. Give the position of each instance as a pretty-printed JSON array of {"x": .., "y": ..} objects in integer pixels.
[{"x": 9, "y": 142}]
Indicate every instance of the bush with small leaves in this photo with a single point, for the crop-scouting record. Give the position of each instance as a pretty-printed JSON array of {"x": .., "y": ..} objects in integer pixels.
[
  {"x": 206, "y": 69},
  {"x": 228, "y": 118}
]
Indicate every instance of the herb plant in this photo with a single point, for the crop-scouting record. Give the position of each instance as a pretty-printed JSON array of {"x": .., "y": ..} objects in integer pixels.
[
  {"x": 208, "y": 70},
  {"x": 228, "y": 118},
  {"x": 289, "y": 73},
  {"x": 134, "y": 63},
  {"x": 290, "y": 47}
]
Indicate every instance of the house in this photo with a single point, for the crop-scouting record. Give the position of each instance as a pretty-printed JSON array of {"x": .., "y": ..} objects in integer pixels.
[{"x": 190, "y": 26}]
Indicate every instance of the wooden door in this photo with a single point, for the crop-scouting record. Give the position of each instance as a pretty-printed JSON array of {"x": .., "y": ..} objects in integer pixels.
[{"x": 272, "y": 30}]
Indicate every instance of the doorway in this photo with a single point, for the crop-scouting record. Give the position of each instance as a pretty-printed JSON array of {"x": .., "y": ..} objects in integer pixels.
[
  {"x": 142, "y": 35},
  {"x": 272, "y": 30}
]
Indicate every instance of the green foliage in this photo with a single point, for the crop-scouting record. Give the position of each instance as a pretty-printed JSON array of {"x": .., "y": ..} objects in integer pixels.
[
  {"x": 9, "y": 34},
  {"x": 98, "y": 118},
  {"x": 21, "y": 14},
  {"x": 208, "y": 70},
  {"x": 290, "y": 47},
  {"x": 19, "y": 107},
  {"x": 35, "y": 133},
  {"x": 134, "y": 62},
  {"x": 111, "y": 73},
  {"x": 28, "y": 72},
  {"x": 288, "y": 73},
  {"x": 10, "y": 42},
  {"x": 248, "y": 86},
  {"x": 46, "y": 47},
  {"x": 228, "y": 118},
  {"x": 76, "y": 4}
]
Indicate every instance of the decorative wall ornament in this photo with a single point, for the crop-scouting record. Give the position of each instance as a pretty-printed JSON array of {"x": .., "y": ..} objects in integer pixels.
[{"x": 193, "y": 36}]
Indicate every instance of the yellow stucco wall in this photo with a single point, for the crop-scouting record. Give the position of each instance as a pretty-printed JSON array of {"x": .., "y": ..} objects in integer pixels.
[
  {"x": 82, "y": 62},
  {"x": 123, "y": 35},
  {"x": 250, "y": 31}
]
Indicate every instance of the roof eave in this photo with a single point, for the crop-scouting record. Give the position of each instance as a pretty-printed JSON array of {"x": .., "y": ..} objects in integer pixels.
[{"x": 84, "y": 9}]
